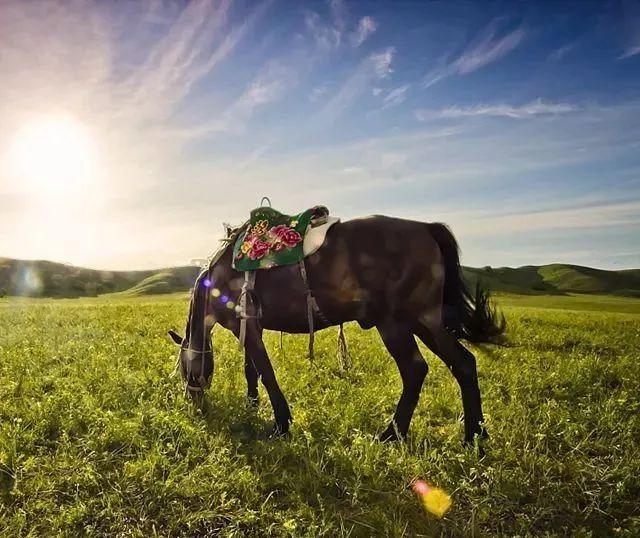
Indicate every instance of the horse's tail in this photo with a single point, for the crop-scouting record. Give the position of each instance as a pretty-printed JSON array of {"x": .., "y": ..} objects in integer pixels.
[{"x": 473, "y": 318}]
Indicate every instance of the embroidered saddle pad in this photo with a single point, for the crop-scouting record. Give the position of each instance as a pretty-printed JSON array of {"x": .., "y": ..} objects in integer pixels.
[{"x": 271, "y": 238}]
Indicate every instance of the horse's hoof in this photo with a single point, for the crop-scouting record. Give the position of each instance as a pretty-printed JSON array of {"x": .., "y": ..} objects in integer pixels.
[
  {"x": 477, "y": 442},
  {"x": 389, "y": 436},
  {"x": 278, "y": 432}
]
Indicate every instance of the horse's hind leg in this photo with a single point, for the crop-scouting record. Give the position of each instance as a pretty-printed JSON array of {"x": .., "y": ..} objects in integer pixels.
[
  {"x": 399, "y": 340},
  {"x": 462, "y": 364},
  {"x": 258, "y": 354}
]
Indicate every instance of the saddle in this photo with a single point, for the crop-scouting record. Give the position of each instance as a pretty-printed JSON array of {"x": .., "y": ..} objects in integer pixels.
[{"x": 272, "y": 239}]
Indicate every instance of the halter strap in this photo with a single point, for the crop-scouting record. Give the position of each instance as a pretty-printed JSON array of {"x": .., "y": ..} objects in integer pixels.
[{"x": 198, "y": 351}]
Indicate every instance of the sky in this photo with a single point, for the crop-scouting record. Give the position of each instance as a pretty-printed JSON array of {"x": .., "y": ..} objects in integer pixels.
[{"x": 130, "y": 131}]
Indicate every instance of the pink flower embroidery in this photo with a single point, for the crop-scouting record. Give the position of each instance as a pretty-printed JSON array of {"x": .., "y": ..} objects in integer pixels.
[
  {"x": 283, "y": 235},
  {"x": 259, "y": 249}
]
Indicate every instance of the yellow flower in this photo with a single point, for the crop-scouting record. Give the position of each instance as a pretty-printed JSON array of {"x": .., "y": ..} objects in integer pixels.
[
  {"x": 246, "y": 247},
  {"x": 293, "y": 223}
]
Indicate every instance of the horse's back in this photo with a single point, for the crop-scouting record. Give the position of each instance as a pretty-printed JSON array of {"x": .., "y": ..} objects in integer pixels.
[{"x": 377, "y": 266}]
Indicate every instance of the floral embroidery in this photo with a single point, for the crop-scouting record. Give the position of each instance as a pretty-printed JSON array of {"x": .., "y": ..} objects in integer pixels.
[
  {"x": 282, "y": 235},
  {"x": 258, "y": 242},
  {"x": 259, "y": 249},
  {"x": 272, "y": 239}
]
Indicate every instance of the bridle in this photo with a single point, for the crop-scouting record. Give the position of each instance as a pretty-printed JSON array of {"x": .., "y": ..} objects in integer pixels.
[{"x": 204, "y": 383}]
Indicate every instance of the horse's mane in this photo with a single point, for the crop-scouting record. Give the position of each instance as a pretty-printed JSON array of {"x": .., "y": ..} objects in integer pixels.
[{"x": 232, "y": 234}]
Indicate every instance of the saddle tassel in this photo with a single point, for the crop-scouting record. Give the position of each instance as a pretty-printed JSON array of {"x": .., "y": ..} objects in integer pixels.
[
  {"x": 311, "y": 306},
  {"x": 343, "y": 354}
]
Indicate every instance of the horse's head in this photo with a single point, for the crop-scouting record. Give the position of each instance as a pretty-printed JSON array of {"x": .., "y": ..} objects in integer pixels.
[
  {"x": 195, "y": 359},
  {"x": 195, "y": 364}
]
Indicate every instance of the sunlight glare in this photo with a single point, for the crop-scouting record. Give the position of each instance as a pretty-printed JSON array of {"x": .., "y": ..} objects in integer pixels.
[{"x": 54, "y": 155}]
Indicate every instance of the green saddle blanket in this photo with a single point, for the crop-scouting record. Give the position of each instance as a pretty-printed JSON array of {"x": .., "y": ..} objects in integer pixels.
[{"x": 271, "y": 239}]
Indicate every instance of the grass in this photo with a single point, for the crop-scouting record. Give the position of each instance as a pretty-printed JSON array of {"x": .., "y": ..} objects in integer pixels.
[
  {"x": 579, "y": 302},
  {"x": 96, "y": 438}
]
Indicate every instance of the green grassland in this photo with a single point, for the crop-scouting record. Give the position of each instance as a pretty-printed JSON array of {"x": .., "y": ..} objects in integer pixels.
[{"x": 96, "y": 438}]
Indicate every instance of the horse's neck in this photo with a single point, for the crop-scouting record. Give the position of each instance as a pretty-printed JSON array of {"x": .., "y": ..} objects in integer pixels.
[{"x": 198, "y": 329}]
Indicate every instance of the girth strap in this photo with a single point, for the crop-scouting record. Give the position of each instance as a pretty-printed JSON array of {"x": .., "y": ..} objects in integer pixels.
[
  {"x": 248, "y": 292},
  {"x": 312, "y": 306}
]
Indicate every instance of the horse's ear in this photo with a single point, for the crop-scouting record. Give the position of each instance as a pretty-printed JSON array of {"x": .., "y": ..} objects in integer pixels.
[
  {"x": 227, "y": 229},
  {"x": 175, "y": 337}
]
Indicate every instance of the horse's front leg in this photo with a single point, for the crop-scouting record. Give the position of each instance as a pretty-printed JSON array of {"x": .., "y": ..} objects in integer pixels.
[
  {"x": 251, "y": 374},
  {"x": 255, "y": 350}
]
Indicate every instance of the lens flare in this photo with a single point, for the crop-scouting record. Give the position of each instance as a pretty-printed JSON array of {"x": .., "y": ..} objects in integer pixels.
[
  {"x": 434, "y": 500},
  {"x": 29, "y": 282}
]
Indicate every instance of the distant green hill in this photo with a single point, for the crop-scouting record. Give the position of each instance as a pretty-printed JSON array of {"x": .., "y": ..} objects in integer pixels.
[
  {"x": 48, "y": 279},
  {"x": 165, "y": 281},
  {"x": 557, "y": 278},
  {"x": 37, "y": 278}
]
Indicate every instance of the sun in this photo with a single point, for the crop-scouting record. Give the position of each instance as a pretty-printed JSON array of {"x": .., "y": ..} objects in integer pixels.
[{"x": 54, "y": 154}]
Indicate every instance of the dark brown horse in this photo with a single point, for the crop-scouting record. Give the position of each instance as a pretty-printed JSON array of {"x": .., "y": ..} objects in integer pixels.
[{"x": 400, "y": 276}]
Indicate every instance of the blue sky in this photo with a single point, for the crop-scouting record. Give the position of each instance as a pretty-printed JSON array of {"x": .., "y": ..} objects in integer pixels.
[{"x": 518, "y": 124}]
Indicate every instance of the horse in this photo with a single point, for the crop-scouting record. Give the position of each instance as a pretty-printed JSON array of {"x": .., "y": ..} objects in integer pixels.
[{"x": 400, "y": 276}]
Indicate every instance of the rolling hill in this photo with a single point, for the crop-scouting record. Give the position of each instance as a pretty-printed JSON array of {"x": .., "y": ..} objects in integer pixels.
[
  {"x": 556, "y": 278},
  {"x": 35, "y": 278}
]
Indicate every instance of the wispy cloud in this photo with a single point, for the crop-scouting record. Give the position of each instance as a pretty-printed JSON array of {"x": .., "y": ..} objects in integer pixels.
[
  {"x": 381, "y": 62},
  {"x": 327, "y": 32},
  {"x": 587, "y": 216},
  {"x": 631, "y": 51},
  {"x": 631, "y": 29},
  {"x": 326, "y": 36},
  {"x": 395, "y": 96},
  {"x": 488, "y": 47},
  {"x": 529, "y": 110},
  {"x": 331, "y": 31},
  {"x": 270, "y": 85},
  {"x": 194, "y": 45},
  {"x": 318, "y": 92},
  {"x": 366, "y": 27},
  {"x": 338, "y": 14},
  {"x": 373, "y": 68},
  {"x": 559, "y": 53}
]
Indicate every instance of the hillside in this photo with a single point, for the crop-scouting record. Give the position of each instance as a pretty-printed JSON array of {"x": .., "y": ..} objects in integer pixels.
[
  {"x": 49, "y": 279},
  {"x": 557, "y": 278},
  {"x": 37, "y": 278},
  {"x": 165, "y": 281}
]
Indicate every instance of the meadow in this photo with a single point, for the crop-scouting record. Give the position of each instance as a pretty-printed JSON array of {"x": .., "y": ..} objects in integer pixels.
[{"x": 97, "y": 439}]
